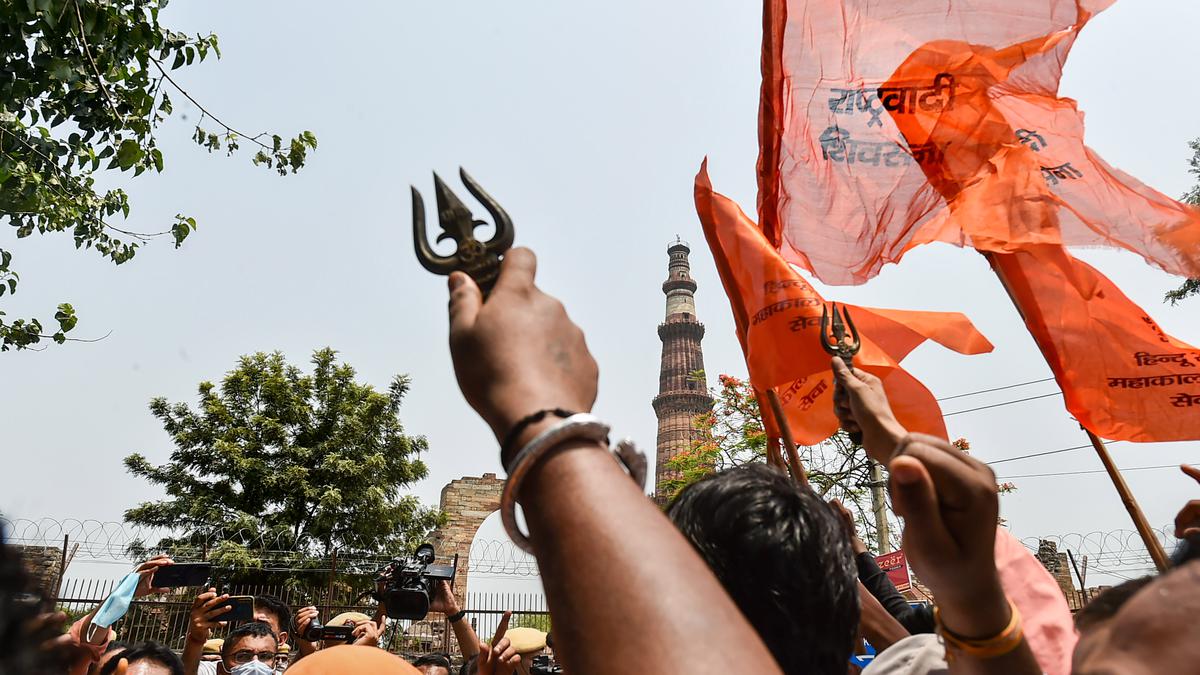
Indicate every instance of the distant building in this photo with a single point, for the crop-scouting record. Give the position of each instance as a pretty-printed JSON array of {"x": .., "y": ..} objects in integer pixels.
[{"x": 682, "y": 387}]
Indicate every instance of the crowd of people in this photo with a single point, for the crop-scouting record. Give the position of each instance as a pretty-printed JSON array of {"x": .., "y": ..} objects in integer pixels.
[{"x": 748, "y": 570}]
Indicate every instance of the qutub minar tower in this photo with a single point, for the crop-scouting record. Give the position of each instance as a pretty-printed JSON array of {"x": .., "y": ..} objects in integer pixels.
[{"x": 681, "y": 394}]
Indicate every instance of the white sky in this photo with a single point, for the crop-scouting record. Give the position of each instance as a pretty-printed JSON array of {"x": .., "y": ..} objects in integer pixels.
[{"x": 587, "y": 121}]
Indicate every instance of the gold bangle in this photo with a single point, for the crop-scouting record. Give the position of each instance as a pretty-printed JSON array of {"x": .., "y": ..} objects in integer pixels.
[{"x": 998, "y": 645}]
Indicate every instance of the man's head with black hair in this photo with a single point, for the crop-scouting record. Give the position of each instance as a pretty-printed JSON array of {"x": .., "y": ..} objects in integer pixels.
[
  {"x": 1152, "y": 629},
  {"x": 1102, "y": 607},
  {"x": 113, "y": 650},
  {"x": 145, "y": 658},
  {"x": 254, "y": 639},
  {"x": 275, "y": 613},
  {"x": 783, "y": 556},
  {"x": 433, "y": 664}
]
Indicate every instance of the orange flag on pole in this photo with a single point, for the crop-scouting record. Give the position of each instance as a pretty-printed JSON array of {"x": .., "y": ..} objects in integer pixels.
[
  {"x": 861, "y": 98},
  {"x": 1123, "y": 377},
  {"x": 778, "y": 313}
]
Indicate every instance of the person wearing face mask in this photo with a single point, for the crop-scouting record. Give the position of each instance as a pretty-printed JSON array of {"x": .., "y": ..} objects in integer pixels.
[{"x": 250, "y": 649}]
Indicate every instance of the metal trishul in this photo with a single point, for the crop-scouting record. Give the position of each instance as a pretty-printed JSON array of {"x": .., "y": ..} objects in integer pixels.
[
  {"x": 834, "y": 341},
  {"x": 481, "y": 260}
]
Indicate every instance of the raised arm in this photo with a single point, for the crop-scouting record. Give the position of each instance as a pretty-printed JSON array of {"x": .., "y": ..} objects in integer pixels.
[
  {"x": 203, "y": 618},
  {"x": 949, "y": 503},
  {"x": 600, "y": 543},
  {"x": 447, "y": 604}
]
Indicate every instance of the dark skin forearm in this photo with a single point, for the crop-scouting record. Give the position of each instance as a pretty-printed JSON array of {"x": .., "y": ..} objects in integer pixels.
[
  {"x": 468, "y": 641},
  {"x": 627, "y": 590}
]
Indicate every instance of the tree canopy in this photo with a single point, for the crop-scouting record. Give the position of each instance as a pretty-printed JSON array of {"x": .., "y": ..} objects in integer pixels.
[
  {"x": 1190, "y": 287},
  {"x": 732, "y": 434},
  {"x": 277, "y": 460},
  {"x": 83, "y": 88}
]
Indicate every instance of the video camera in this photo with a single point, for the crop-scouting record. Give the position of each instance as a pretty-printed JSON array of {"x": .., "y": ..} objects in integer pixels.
[{"x": 406, "y": 585}]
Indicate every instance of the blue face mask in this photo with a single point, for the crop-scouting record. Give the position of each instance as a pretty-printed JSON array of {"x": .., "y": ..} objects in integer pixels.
[
  {"x": 116, "y": 605},
  {"x": 253, "y": 668}
]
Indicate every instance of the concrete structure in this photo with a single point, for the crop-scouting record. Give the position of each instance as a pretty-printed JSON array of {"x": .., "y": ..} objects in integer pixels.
[{"x": 682, "y": 387}]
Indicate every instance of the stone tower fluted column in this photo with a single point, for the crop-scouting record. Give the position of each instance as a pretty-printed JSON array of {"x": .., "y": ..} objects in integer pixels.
[{"x": 681, "y": 394}]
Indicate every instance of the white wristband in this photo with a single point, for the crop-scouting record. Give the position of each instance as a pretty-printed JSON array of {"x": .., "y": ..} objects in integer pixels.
[{"x": 581, "y": 426}]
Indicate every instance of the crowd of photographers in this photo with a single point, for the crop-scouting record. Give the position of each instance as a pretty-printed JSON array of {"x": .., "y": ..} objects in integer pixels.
[{"x": 746, "y": 571}]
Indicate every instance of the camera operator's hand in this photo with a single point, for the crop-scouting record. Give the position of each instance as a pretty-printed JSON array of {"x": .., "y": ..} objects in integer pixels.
[
  {"x": 366, "y": 633},
  {"x": 204, "y": 615},
  {"x": 304, "y": 617},
  {"x": 518, "y": 352},
  {"x": 444, "y": 600},
  {"x": 146, "y": 574},
  {"x": 860, "y": 403},
  {"x": 950, "y": 505},
  {"x": 500, "y": 658}
]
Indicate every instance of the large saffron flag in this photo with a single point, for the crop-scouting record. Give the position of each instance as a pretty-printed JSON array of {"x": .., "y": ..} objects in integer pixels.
[
  {"x": 1122, "y": 376},
  {"x": 885, "y": 125},
  {"x": 778, "y": 314}
]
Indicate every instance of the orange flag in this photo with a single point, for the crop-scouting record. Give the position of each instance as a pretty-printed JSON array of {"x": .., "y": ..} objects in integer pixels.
[
  {"x": 1018, "y": 190},
  {"x": 777, "y": 314},
  {"x": 899, "y": 110},
  {"x": 1123, "y": 377}
]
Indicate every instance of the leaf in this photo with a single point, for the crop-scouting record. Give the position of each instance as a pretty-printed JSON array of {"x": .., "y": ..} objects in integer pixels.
[
  {"x": 65, "y": 316},
  {"x": 128, "y": 154},
  {"x": 157, "y": 156}
]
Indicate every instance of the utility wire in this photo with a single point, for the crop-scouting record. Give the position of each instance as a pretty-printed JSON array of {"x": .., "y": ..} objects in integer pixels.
[
  {"x": 1078, "y": 473},
  {"x": 1043, "y": 454},
  {"x": 997, "y": 405},
  {"x": 988, "y": 391}
]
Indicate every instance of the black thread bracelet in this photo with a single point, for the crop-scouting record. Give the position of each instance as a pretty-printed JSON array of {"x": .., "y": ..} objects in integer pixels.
[
  {"x": 506, "y": 448},
  {"x": 456, "y": 617}
]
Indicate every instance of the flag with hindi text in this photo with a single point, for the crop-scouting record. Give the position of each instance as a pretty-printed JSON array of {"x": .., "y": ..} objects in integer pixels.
[
  {"x": 885, "y": 125},
  {"x": 777, "y": 314}
]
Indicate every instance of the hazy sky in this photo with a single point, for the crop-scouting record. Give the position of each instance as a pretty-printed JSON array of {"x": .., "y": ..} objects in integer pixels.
[{"x": 587, "y": 121}]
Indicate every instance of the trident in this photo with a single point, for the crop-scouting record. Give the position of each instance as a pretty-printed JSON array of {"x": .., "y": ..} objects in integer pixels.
[
  {"x": 839, "y": 346},
  {"x": 480, "y": 260}
]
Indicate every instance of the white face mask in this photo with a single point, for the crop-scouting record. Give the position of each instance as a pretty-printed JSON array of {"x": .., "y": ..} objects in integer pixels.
[{"x": 255, "y": 667}]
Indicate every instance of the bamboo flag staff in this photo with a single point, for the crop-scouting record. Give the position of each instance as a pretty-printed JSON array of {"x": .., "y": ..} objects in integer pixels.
[
  {"x": 799, "y": 474},
  {"x": 1025, "y": 290}
]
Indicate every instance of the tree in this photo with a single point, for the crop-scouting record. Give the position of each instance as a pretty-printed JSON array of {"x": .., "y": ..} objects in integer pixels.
[
  {"x": 732, "y": 434},
  {"x": 280, "y": 463},
  {"x": 85, "y": 86},
  {"x": 1190, "y": 287}
]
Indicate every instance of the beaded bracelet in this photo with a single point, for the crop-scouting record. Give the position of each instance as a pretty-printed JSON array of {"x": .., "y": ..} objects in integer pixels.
[{"x": 581, "y": 426}]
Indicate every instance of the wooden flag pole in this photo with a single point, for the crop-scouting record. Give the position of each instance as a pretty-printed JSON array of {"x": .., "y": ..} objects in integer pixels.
[
  {"x": 1135, "y": 512},
  {"x": 1131, "y": 505},
  {"x": 789, "y": 441}
]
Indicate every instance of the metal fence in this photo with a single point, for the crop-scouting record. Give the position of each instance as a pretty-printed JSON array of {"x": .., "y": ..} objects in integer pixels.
[{"x": 164, "y": 618}]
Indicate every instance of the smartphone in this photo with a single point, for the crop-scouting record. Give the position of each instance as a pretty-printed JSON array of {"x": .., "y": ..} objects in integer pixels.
[
  {"x": 337, "y": 633},
  {"x": 243, "y": 608},
  {"x": 181, "y": 574}
]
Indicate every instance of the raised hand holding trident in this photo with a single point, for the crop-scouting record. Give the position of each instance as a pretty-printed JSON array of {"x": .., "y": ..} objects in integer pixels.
[
  {"x": 834, "y": 341},
  {"x": 480, "y": 260}
]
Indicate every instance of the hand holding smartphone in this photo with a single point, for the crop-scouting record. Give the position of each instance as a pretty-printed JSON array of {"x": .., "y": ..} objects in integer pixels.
[{"x": 179, "y": 575}]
